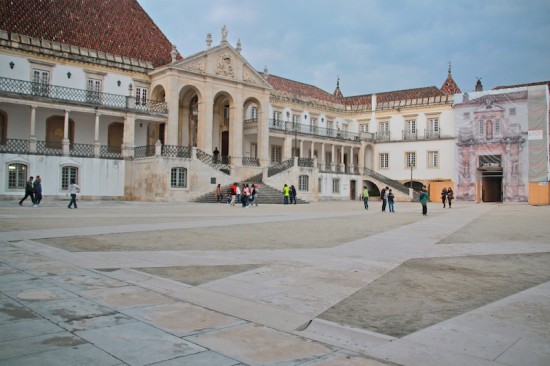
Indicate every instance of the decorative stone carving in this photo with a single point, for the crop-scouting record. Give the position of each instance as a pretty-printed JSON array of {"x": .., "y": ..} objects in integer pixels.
[
  {"x": 197, "y": 66},
  {"x": 224, "y": 65},
  {"x": 248, "y": 77},
  {"x": 224, "y": 34}
]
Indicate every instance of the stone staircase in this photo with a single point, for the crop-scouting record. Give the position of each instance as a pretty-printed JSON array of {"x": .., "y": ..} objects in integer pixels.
[{"x": 267, "y": 195}]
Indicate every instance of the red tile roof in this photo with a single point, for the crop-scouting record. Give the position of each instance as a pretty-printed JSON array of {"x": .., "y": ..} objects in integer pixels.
[
  {"x": 449, "y": 87},
  {"x": 523, "y": 85},
  {"x": 391, "y": 96},
  {"x": 300, "y": 89},
  {"x": 119, "y": 27}
]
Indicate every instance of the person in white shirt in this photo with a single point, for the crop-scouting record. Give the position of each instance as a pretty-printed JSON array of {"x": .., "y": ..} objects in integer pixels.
[{"x": 73, "y": 190}]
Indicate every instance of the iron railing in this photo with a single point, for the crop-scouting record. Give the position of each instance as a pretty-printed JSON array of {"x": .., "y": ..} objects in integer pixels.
[
  {"x": 14, "y": 146},
  {"x": 390, "y": 182},
  {"x": 144, "y": 151},
  {"x": 280, "y": 167},
  {"x": 305, "y": 162},
  {"x": 303, "y": 129},
  {"x": 49, "y": 148},
  {"x": 110, "y": 152},
  {"x": 251, "y": 161},
  {"x": 175, "y": 151},
  {"x": 82, "y": 150},
  {"x": 221, "y": 163},
  {"x": 78, "y": 96}
]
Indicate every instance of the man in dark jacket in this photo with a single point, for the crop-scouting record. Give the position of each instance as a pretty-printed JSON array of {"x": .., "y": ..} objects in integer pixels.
[{"x": 28, "y": 192}]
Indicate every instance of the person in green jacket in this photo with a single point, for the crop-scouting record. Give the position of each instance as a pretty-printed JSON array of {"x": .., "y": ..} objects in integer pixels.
[
  {"x": 366, "y": 197},
  {"x": 286, "y": 194},
  {"x": 423, "y": 199}
]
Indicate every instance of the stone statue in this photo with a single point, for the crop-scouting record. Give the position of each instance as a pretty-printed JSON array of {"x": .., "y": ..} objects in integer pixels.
[{"x": 224, "y": 34}]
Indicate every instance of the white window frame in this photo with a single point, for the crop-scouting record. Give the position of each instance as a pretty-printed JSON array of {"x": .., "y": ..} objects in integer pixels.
[
  {"x": 433, "y": 159},
  {"x": 276, "y": 154},
  {"x": 410, "y": 159},
  {"x": 141, "y": 96},
  {"x": 410, "y": 126},
  {"x": 335, "y": 185},
  {"x": 254, "y": 113},
  {"x": 365, "y": 127},
  {"x": 253, "y": 150},
  {"x": 17, "y": 175},
  {"x": 303, "y": 183},
  {"x": 178, "y": 177},
  {"x": 68, "y": 173},
  {"x": 384, "y": 128},
  {"x": 433, "y": 125},
  {"x": 384, "y": 160}
]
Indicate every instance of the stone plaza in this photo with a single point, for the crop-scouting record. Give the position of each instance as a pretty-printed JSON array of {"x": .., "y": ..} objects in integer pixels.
[{"x": 325, "y": 283}]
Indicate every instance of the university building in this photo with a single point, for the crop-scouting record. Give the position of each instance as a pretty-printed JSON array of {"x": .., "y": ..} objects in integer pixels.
[{"x": 98, "y": 94}]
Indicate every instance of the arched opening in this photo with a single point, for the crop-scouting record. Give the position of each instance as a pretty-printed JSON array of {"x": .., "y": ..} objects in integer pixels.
[
  {"x": 115, "y": 135},
  {"x": 372, "y": 188},
  {"x": 222, "y": 124},
  {"x": 55, "y": 131},
  {"x": 189, "y": 118}
]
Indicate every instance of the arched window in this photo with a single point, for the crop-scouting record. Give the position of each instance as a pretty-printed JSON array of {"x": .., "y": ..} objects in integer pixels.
[
  {"x": 17, "y": 175},
  {"x": 178, "y": 178},
  {"x": 303, "y": 182},
  {"x": 54, "y": 131},
  {"x": 68, "y": 173}
]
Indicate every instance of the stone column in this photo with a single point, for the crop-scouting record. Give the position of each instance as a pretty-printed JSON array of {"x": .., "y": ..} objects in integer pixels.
[
  {"x": 128, "y": 136},
  {"x": 66, "y": 143},
  {"x": 32, "y": 137},
  {"x": 97, "y": 145}
]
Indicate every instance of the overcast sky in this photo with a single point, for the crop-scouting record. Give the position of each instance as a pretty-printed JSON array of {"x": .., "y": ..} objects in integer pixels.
[{"x": 373, "y": 45}]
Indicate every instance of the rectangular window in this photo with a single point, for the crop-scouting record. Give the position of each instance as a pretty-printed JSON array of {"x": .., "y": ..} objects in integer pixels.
[
  {"x": 275, "y": 154},
  {"x": 410, "y": 159},
  {"x": 277, "y": 119},
  {"x": 384, "y": 160},
  {"x": 384, "y": 128},
  {"x": 303, "y": 183},
  {"x": 512, "y": 111},
  {"x": 93, "y": 91},
  {"x": 68, "y": 174},
  {"x": 433, "y": 159},
  {"x": 336, "y": 186},
  {"x": 141, "y": 96},
  {"x": 365, "y": 127},
  {"x": 497, "y": 126},
  {"x": 178, "y": 178},
  {"x": 41, "y": 82},
  {"x": 254, "y": 150},
  {"x": 254, "y": 113},
  {"x": 433, "y": 127},
  {"x": 481, "y": 127},
  {"x": 410, "y": 126},
  {"x": 226, "y": 115},
  {"x": 17, "y": 176}
]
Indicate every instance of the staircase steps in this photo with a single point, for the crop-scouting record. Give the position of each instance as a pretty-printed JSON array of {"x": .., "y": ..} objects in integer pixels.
[{"x": 267, "y": 194}]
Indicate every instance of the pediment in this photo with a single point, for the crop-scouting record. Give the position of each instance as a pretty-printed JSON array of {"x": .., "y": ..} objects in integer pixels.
[{"x": 223, "y": 62}]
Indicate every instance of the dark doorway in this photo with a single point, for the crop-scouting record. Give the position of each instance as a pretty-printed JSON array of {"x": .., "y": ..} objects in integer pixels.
[
  {"x": 161, "y": 133},
  {"x": 225, "y": 143},
  {"x": 491, "y": 186}
]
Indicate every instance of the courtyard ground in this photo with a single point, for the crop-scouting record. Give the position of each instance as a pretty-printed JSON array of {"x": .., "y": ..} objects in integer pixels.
[{"x": 327, "y": 283}]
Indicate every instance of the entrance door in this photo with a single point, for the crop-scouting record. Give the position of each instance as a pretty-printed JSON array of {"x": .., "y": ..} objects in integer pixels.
[
  {"x": 162, "y": 127},
  {"x": 352, "y": 190},
  {"x": 491, "y": 186},
  {"x": 225, "y": 143}
]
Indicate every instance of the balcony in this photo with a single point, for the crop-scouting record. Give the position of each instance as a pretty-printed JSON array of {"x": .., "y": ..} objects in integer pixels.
[
  {"x": 303, "y": 129},
  {"x": 53, "y": 93},
  {"x": 49, "y": 148}
]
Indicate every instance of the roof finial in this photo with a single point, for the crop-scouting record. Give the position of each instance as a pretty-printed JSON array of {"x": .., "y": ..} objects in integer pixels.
[
  {"x": 174, "y": 53},
  {"x": 239, "y": 47},
  {"x": 450, "y": 68},
  {"x": 266, "y": 72},
  {"x": 224, "y": 34},
  {"x": 208, "y": 40},
  {"x": 337, "y": 81}
]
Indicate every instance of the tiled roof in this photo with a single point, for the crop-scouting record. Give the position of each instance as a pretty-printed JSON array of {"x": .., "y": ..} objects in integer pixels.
[
  {"x": 300, "y": 89},
  {"x": 408, "y": 94},
  {"x": 119, "y": 27},
  {"x": 523, "y": 85},
  {"x": 449, "y": 87}
]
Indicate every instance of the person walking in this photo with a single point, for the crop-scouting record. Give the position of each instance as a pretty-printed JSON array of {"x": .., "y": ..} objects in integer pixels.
[
  {"x": 73, "y": 190},
  {"x": 366, "y": 197},
  {"x": 450, "y": 196},
  {"x": 28, "y": 191},
  {"x": 37, "y": 190},
  {"x": 233, "y": 194},
  {"x": 423, "y": 199},
  {"x": 244, "y": 195},
  {"x": 293, "y": 194},
  {"x": 444, "y": 196},
  {"x": 219, "y": 195},
  {"x": 286, "y": 194},
  {"x": 254, "y": 195},
  {"x": 390, "y": 201}
]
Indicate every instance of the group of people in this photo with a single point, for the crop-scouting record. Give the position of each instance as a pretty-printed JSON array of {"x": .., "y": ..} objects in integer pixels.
[
  {"x": 387, "y": 197},
  {"x": 289, "y": 194},
  {"x": 33, "y": 189},
  {"x": 245, "y": 194},
  {"x": 447, "y": 196}
]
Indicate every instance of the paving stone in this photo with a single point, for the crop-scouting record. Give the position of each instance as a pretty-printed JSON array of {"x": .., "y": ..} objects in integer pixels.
[
  {"x": 27, "y": 328},
  {"x": 138, "y": 343},
  {"x": 31, "y": 282},
  {"x": 81, "y": 355},
  {"x": 183, "y": 319},
  {"x": 30, "y": 345},
  {"x": 11, "y": 310},
  {"x": 127, "y": 297},
  {"x": 84, "y": 281},
  {"x": 207, "y": 358},
  {"x": 45, "y": 293},
  {"x": 69, "y": 311}
]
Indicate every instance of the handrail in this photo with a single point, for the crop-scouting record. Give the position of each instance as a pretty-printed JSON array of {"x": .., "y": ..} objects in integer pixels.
[
  {"x": 382, "y": 178},
  {"x": 79, "y": 96},
  {"x": 221, "y": 163},
  {"x": 280, "y": 167}
]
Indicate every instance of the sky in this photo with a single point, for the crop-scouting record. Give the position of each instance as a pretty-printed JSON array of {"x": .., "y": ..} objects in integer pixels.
[{"x": 372, "y": 46}]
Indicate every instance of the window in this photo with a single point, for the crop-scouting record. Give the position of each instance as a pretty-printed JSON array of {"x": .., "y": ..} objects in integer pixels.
[
  {"x": 433, "y": 126},
  {"x": 275, "y": 154},
  {"x": 497, "y": 126},
  {"x": 17, "y": 175},
  {"x": 410, "y": 159},
  {"x": 481, "y": 127},
  {"x": 141, "y": 96},
  {"x": 295, "y": 119},
  {"x": 336, "y": 186},
  {"x": 226, "y": 115},
  {"x": 433, "y": 159},
  {"x": 303, "y": 183},
  {"x": 93, "y": 91},
  {"x": 365, "y": 127},
  {"x": 512, "y": 111},
  {"x": 466, "y": 115},
  {"x": 410, "y": 126},
  {"x": 384, "y": 160},
  {"x": 254, "y": 150},
  {"x": 254, "y": 113},
  {"x": 68, "y": 173},
  {"x": 41, "y": 82},
  {"x": 313, "y": 125},
  {"x": 178, "y": 178},
  {"x": 320, "y": 186}
]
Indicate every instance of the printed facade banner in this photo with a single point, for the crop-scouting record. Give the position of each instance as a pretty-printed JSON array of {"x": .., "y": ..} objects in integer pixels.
[{"x": 491, "y": 146}]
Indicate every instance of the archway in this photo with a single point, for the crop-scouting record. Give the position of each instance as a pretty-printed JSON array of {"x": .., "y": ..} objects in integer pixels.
[
  {"x": 189, "y": 116},
  {"x": 115, "y": 134},
  {"x": 55, "y": 126},
  {"x": 222, "y": 124}
]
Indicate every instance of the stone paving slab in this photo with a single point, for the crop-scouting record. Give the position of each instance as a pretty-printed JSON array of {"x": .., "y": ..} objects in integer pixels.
[{"x": 27, "y": 328}]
